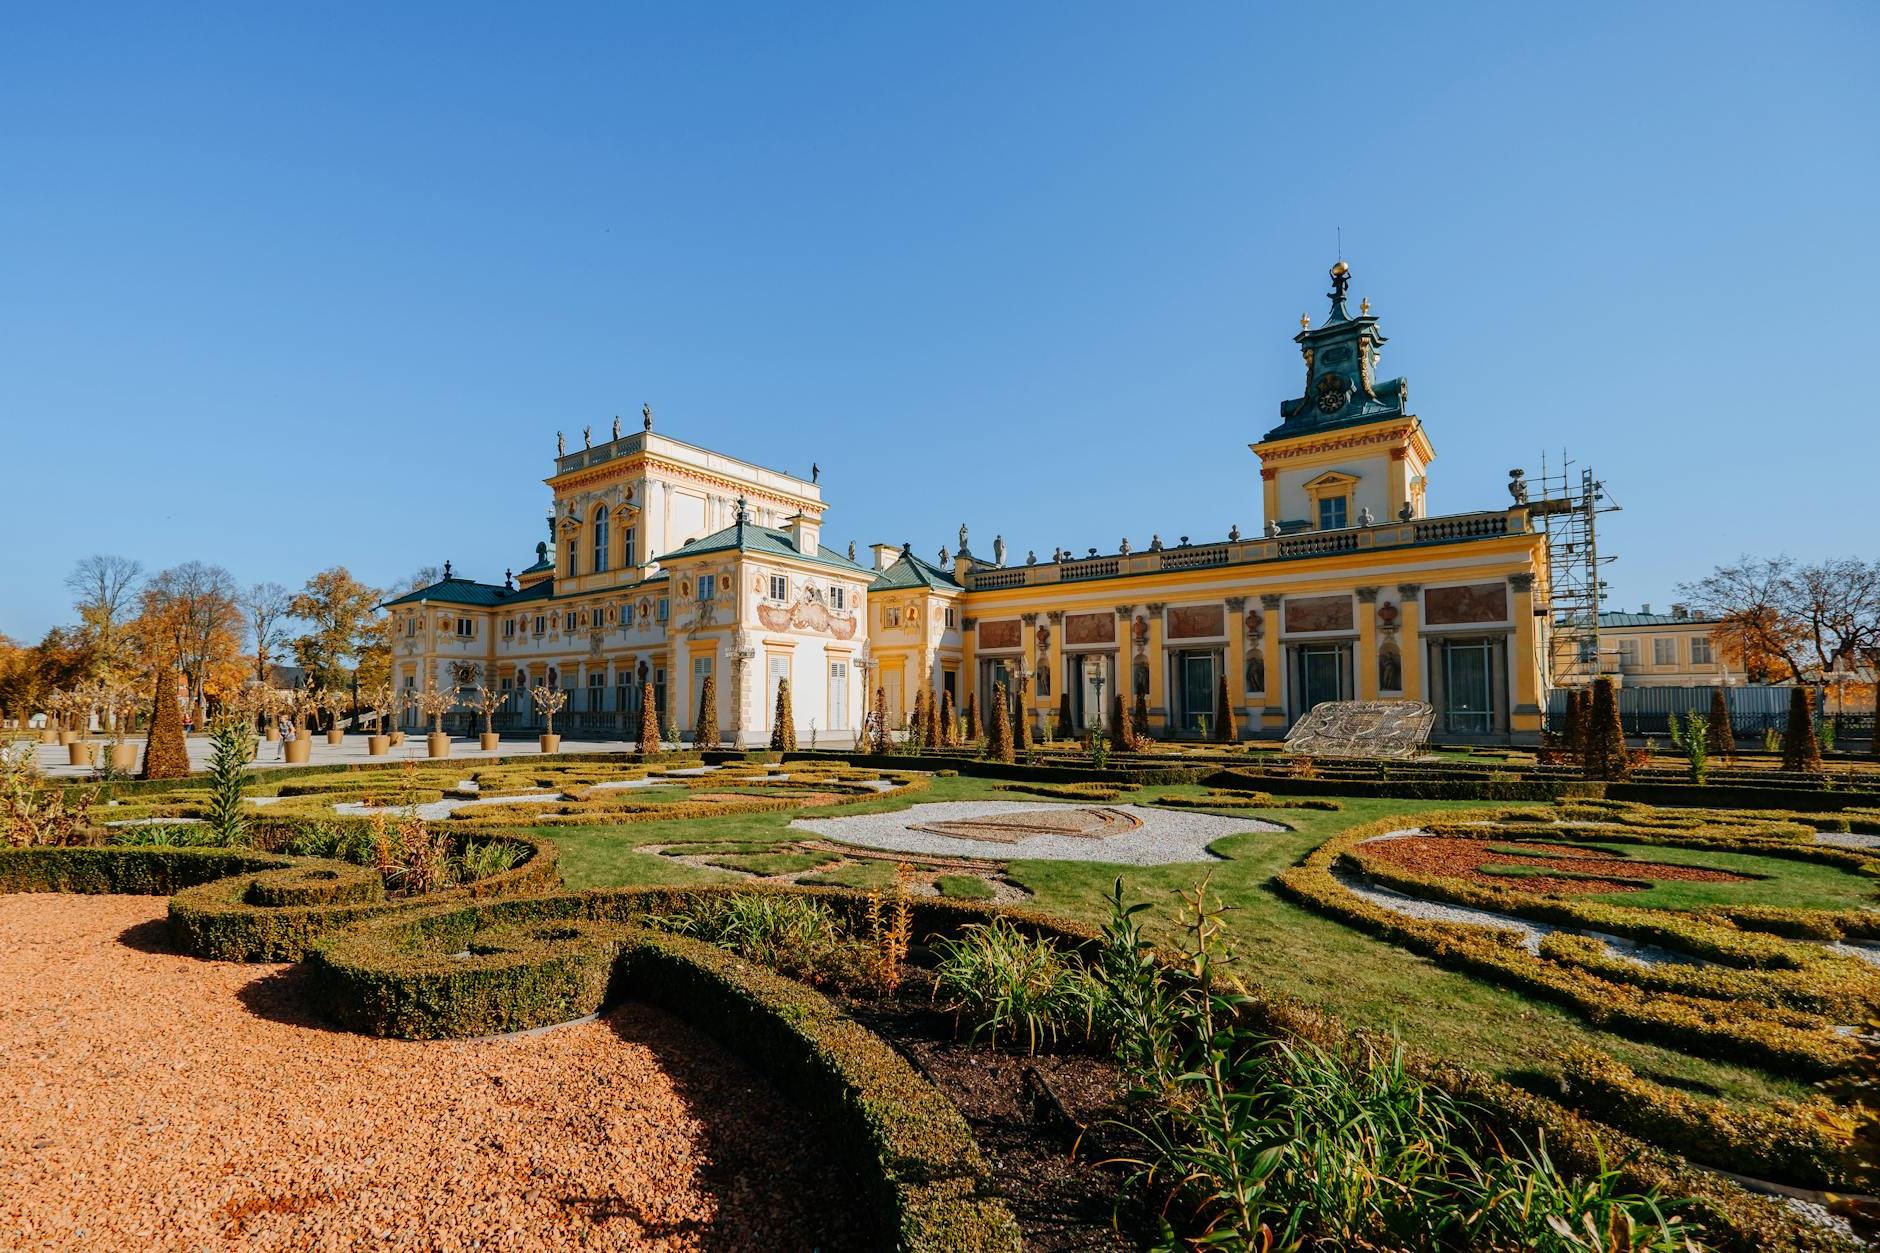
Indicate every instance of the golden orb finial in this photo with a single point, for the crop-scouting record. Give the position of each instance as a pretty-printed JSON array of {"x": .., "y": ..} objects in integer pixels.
[
  {"x": 1305, "y": 321},
  {"x": 1364, "y": 306},
  {"x": 1341, "y": 268}
]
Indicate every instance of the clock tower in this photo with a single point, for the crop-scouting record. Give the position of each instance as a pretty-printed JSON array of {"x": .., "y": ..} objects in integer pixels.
[{"x": 1348, "y": 448}]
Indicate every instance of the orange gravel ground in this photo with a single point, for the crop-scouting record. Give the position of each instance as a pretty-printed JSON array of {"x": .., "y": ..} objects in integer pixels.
[{"x": 153, "y": 1101}]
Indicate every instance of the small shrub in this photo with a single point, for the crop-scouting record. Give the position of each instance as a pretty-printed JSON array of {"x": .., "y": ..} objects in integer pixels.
[
  {"x": 795, "y": 934},
  {"x": 228, "y": 784},
  {"x": 491, "y": 857},
  {"x": 1006, "y": 983}
]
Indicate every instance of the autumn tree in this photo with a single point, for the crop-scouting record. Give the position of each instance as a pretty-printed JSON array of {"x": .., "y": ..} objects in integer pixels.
[
  {"x": 339, "y": 610},
  {"x": 1782, "y": 620},
  {"x": 104, "y": 591},
  {"x": 192, "y": 613},
  {"x": 268, "y": 607}
]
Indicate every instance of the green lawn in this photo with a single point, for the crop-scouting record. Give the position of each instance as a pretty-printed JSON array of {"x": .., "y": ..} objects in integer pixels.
[{"x": 1361, "y": 980}]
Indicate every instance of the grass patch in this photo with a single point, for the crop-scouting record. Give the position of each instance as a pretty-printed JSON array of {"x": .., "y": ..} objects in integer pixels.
[{"x": 965, "y": 887}]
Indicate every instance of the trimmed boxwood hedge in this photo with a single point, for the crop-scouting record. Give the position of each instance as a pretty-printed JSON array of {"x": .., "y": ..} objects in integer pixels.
[
  {"x": 453, "y": 972},
  {"x": 133, "y": 870},
  {"x": 220, "y": 920}
]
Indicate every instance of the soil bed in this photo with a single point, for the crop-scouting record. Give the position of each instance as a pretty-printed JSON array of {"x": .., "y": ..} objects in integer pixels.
[{"x": 1042, "y": 1122}]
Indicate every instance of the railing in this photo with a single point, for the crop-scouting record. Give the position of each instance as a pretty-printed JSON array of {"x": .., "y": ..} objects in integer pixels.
[{"x": 1446, "y": 530}]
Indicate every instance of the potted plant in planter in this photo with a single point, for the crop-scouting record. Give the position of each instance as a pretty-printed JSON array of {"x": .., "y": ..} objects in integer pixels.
[
  {"x": 548, "y": 702},
  {"x": 434, "y": 703},
  {"x": 488, "y": 702},
  {"x": 272, "y": 702},
  {"x": 300, "y": 706},
  {"x": 121, "y": 702},
  {"x": 335, "y": 702},
  {"x": 74, "y": 715},
  {"x": 383, "y": 701}
]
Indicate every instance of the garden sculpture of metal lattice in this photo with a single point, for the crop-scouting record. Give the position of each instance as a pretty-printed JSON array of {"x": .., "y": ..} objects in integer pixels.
[{"x": 1362, "y": 728}]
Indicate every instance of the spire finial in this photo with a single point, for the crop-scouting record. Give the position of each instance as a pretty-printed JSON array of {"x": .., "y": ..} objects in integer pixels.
[
  {"x": 1364, "y": 307},
  {"x": 1341, "y": 281},
  {"x": 1305, "y": 321}
]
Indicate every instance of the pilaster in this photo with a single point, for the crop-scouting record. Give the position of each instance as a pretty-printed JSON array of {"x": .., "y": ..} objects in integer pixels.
[
  {"x": 1158, "y": 669},
  {"x": 1525, "y": 717},
  {"x": 1410, "y": 605},
  {"x": 1237, "y": 660},
  {"x": 1274, "y": 719},
  {"x": 1366, "y": 660}
]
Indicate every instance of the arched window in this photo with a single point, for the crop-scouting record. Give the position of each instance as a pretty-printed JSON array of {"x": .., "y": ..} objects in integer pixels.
[{"x": 600, "y": 538}]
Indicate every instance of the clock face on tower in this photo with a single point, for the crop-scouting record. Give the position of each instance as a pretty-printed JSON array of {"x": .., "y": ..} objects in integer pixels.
[{"x": 1334, "y": 391}]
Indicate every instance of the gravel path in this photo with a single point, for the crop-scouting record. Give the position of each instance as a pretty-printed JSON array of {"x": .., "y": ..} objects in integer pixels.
[
  {"x": 1165, "y": 836},
  {"x": 1848, "y": 839},
  {"x": 149, "y": 1100}
]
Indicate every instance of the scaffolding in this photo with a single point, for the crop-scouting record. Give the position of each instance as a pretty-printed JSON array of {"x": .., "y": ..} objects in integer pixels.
[{"x": 1569, "y": 503}]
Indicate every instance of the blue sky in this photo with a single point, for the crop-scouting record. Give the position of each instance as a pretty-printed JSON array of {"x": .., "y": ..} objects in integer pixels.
[{"x": 283, "y": 289}]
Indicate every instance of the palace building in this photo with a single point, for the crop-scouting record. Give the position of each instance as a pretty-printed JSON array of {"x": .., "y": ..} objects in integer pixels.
[{"x": 666, "y": 563}]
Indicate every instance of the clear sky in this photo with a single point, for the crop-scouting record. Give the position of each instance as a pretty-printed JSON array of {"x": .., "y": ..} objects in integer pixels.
[{"x": 283, "y": 287}]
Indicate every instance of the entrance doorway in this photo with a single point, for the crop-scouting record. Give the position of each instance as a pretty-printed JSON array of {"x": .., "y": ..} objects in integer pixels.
[
  {"x": 1195, "y": 682},
  {"x": 1321, "y": 672},
  {"x": 1468, "y": 687},
  {"x": 1082, "y": 672}
]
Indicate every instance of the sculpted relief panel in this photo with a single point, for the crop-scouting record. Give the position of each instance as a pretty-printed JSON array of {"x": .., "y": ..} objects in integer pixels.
[
  {"x": 1187, "y": 622},
  {"x": 1001, "y": 634},
  {"x": 1318, "y": 613},
  {"x": 1090, "y": 628},
  {"x": 1479, "y": 602}
]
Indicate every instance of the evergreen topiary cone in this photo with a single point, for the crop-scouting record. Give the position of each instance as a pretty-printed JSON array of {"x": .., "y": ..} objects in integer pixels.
[
  {"x": 1606, "y": 757},
  {"x": 1021, "y": 730},
  {"x": 931, "y": 731},
  {"x": 1067, "y": 726},
  {"x": 783, "y": 726},
  {"x": 707, "y": 734},
  {"x": 949, "y": 721},
  {"x": 974, "y": 730},
  {"x": 999, "y": 741},
  {"x": 1576, "y": 721},
  {"x": 166, "y": 751},
  {"x": 882, "y": 741},
  {"x": 1720, "y": 736},
  {"x": 1225, "y": 731},
  {"x": 649, "y": 720},
  {"x": 1801, "y": 751},
  {"x": 1139, "y": 724}
]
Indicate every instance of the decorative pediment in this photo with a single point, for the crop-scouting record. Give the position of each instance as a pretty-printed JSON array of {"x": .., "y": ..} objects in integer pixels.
[{"x": 1331, "y": 479}]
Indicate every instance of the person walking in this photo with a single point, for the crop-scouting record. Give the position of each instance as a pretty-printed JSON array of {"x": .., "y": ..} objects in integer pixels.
[{"x": 287, "y": 737}]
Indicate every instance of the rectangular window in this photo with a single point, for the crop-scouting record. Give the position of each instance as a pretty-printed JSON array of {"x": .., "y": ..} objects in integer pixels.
[
  {"x": 665, "y": 609},
  {"x": 509, "y": 628},
  {"x": 568, "y": 621},
  {"x": 778, "y": 670},
  {"x": 952, "y": 621},
  {"x": 571, "y": 559},
  {"x": 411, "y": 626},
  {"x": 838, "y": 596},
  {"x": 779, "y": 587},
  {"x": 1664, "y": 651},
  {"x": 465, "y": 628},
  {"x": 707, "y": 586},
  {"x": 626, "y": 615},
  {"x": 1700, "y": 651},
  {"x": 541, "y": 623},
  {"x": 659, "y": 695},
  {"x": 891, "y": 616},
  {"x": 1332, "y": 513},
  {"x": 701, "y": 667},
  {"x": 626, "y": 548},
  {"x": 1628, "y": 652}
]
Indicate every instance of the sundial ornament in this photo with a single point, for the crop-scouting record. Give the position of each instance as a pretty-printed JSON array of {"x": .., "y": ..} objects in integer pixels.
[{"x": 1362, "y": 728}]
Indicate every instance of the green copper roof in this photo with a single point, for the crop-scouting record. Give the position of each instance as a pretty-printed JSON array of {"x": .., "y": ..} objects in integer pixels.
[
  {"x": 910, "y": 571},
  {"x": 751, "y": 538},
  {"x": 1340, "y": 358},
  {"x": 469, "y": 592}
]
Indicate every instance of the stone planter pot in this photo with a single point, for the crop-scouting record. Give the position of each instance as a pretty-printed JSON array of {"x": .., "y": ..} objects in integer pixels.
[
  {"x": 437, "y": 744},
  {"x": 300, "y": 751},
  {"x": 124, "y": 758},
  {"x": 378, "y": 745},
  {"x": 79, "y": 753},
  {"x": 48, "y": 736},
  {"x": 68, "y": 737},
  {"x": 488, "y": 741},
  {"x": 550, "y": 743},
  {"x": 272, "y": 734},
  {"x": 398, "y": 737},
  {"x": 336, "y": 736}
]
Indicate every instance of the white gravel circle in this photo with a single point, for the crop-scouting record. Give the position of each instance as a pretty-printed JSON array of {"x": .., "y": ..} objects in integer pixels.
[{"x": 1166, "y": 836}]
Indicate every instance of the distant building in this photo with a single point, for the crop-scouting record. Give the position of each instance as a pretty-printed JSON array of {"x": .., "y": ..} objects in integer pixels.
[
  {"x": 666, "y": 562},
  {"x": 1647, "y": 649}
]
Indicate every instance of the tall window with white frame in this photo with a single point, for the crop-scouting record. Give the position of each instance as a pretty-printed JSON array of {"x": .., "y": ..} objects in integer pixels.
[
  {"x": 626, "y": 547},
  {"x": 1331, "y": 513},
  {"x": 707, "y": 586},
  {"x": 1700, "y": 651},
  {"x": 600, "y": 538}
]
